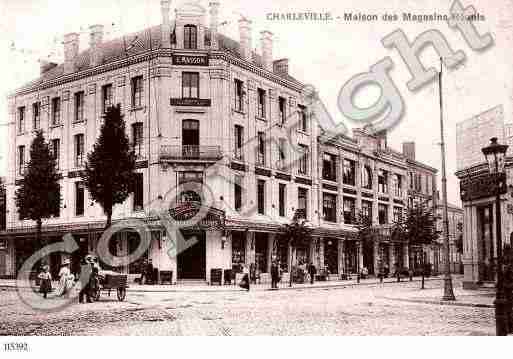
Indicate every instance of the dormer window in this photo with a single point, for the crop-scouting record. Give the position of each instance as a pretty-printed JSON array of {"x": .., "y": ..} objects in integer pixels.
[{"x": 190, "y": 38}]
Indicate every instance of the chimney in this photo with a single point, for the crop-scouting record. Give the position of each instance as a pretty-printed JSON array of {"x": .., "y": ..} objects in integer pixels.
[
  {"x": 245, "y": 39},
  {"x": 95, "y": 44},
  {"x": 46, "y": 66},
  {"x": 71, "y": 42},
  {"x": 214, "y": 23},
  {"x": 267, "y": 49},
  {"x": 281, "y": 67},
  {"x": 166, "y": 23},
  {"x": 409, "y": 150}
]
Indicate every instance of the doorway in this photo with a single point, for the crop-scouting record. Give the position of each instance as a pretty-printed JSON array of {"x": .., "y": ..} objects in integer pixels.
[
  {"x": 191, "y": 262},
  {"x": 190, "y": 138}
]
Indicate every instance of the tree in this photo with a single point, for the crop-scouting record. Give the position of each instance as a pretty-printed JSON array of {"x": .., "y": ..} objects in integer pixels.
[
  {"x": 364, "y": 234},
  {"x": 110, "y": 167},
  {"x": 420, "y": 229},
  {"x": 297, "y": 233},
  {"x": 39, "y": 195}
]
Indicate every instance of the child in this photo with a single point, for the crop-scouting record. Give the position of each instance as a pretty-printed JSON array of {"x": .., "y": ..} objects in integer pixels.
[{"x": 46, "y": 281}]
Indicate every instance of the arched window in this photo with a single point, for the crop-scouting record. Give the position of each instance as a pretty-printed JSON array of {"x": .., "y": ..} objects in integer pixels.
[{"x": 190, "y": 37}]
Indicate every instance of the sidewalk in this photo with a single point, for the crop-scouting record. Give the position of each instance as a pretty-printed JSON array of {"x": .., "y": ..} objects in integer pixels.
[
  {"x": 137, "y": 288},
  {"x": 481, "y": 298}
]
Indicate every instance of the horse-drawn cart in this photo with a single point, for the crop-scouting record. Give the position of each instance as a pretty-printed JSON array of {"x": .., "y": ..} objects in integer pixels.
[{"x": 111, "y": 282}]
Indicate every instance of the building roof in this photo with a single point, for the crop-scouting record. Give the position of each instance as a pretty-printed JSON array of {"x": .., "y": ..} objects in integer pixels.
[{"x": 138, "y": 43}]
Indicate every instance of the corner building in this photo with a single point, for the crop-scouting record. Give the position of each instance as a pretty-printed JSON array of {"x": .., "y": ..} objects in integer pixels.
[{"x": 208, "y": 118}]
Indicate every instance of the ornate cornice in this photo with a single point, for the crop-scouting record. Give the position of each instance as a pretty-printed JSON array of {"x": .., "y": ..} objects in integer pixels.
[{"x": 159, "y": 55}]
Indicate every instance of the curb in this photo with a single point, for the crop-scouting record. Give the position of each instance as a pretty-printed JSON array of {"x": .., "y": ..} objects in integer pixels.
[
  {"x": 222, "y": 290},
  {"x": 441, "y": 302}
]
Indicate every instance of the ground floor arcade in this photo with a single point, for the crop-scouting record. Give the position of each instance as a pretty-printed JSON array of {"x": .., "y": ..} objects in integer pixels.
[{"x": 202, "y": 250}]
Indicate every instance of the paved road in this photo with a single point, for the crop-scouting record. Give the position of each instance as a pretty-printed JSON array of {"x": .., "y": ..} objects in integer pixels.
[{"x": 349, "y": 311}]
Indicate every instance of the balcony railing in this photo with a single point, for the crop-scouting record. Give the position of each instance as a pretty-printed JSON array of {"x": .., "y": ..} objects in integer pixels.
[{"x": 190, "y": 153}]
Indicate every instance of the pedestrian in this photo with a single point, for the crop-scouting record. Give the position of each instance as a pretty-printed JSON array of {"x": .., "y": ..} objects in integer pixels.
[
  {"x": 275, "y": 275},
  {"x": 149, "y": 272},
  {"x": 66, "y": 279},
  {"x": 143, "y": 271},
  {"x": 46, "y": 281},
  {"x": 244, "y": 283},
  {"x": 312, "y": 271},
  {"x": 86, "y": 271}
]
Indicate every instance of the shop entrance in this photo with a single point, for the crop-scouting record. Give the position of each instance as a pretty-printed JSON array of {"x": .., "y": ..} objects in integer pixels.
[
  {"x": 191, "y": 262},
  {"x": 331, "y": 255}
]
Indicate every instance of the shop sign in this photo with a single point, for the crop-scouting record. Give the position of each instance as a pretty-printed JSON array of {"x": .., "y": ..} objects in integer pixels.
[
  {"x": 482, "y": 187},
  {"x": 200, "y": 102},
  {"x": 190, "y": 60},
  {"x": 185, "y": 214}
]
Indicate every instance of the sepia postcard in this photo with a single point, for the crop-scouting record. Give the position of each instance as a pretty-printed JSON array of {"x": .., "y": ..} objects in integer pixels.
[{"x": 252, "y": 169}]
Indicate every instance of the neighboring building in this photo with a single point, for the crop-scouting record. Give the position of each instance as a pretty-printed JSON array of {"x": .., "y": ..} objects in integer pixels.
[
  {"x": 478, "y": 195},
  {"x": 207, "y": 116},
  {"x": 455, "y": 219},
  {"x": 422, "y": 189}
]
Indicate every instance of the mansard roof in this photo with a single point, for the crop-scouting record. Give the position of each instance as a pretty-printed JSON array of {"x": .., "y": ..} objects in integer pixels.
[{"x": 138, "y": 43}]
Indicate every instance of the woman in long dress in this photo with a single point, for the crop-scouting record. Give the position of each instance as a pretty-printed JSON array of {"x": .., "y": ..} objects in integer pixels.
[{"x": 66, "y": 279}]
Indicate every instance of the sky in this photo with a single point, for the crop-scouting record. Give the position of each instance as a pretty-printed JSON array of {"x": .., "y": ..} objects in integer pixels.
[{"x": 324, "y": 54}]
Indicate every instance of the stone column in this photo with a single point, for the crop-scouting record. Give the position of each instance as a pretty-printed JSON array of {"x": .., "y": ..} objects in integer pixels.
[
  {"x": 377, "y": 257},
  {"x": 406, "y": 256},
  {"x": 250, "y": 248},
  {"x": 360, "y": 255},
  {"x": 341, "y": 256},
  {"x": 270, "y": 246},
  {"x": 320, "y": 263}
]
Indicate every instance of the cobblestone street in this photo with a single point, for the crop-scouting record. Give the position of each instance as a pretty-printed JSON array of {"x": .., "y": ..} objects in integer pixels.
[{"x": 392, "y": 309}]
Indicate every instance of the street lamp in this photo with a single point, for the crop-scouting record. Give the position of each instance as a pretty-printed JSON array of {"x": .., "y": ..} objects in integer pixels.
[{"x": 495, "y": 155}]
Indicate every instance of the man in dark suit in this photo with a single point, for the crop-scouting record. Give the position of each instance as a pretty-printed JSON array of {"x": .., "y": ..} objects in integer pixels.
[
  {"x": 275, "y": 275},
  {"x": 312, "y": 271}
]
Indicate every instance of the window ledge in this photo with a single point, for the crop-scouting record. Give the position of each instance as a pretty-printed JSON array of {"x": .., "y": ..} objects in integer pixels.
[
  {"x": 21, "y": 133},
  {"x": 261, "y": 118},
  {"x": 238, "y": 111},
  {"x": 303, "y": 132},
  {"x": 137, "y": 108},
  {"x": 56, "y": 126},
  {"x": 79, "y": 122}
]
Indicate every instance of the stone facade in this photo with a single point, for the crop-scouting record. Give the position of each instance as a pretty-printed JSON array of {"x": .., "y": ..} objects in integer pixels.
[{"x": 202, "y": 108}]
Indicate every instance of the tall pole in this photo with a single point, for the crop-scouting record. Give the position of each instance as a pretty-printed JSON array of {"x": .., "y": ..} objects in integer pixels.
[
  {"x": 501, "y": 320},
  {"x": 448, "y": 290}
]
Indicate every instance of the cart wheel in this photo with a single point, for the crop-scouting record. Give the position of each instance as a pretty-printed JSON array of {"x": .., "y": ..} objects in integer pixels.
[{"x": 121, "y": 294}]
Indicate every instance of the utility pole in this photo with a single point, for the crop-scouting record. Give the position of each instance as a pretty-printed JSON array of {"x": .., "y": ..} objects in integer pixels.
[{"x": 448, "y": 289}]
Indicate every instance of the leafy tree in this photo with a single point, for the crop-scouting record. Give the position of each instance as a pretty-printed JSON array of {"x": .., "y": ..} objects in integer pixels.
[
  {"x": 363, "y": 224},
  {"x": 364, "y": 234},
  {"x": 39, "y": 195},
  {"x": 296, "y": 234},
  {"x": 110, "y": 167},
  {"x": 420, "y": 228}
]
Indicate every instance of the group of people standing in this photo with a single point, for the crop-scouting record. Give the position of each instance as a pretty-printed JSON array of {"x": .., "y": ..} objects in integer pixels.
[{"x": 89, "y": 273}]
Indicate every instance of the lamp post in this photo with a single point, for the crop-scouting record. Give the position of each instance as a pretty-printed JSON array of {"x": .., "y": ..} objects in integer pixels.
[{"x": 495, "y": 157}]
